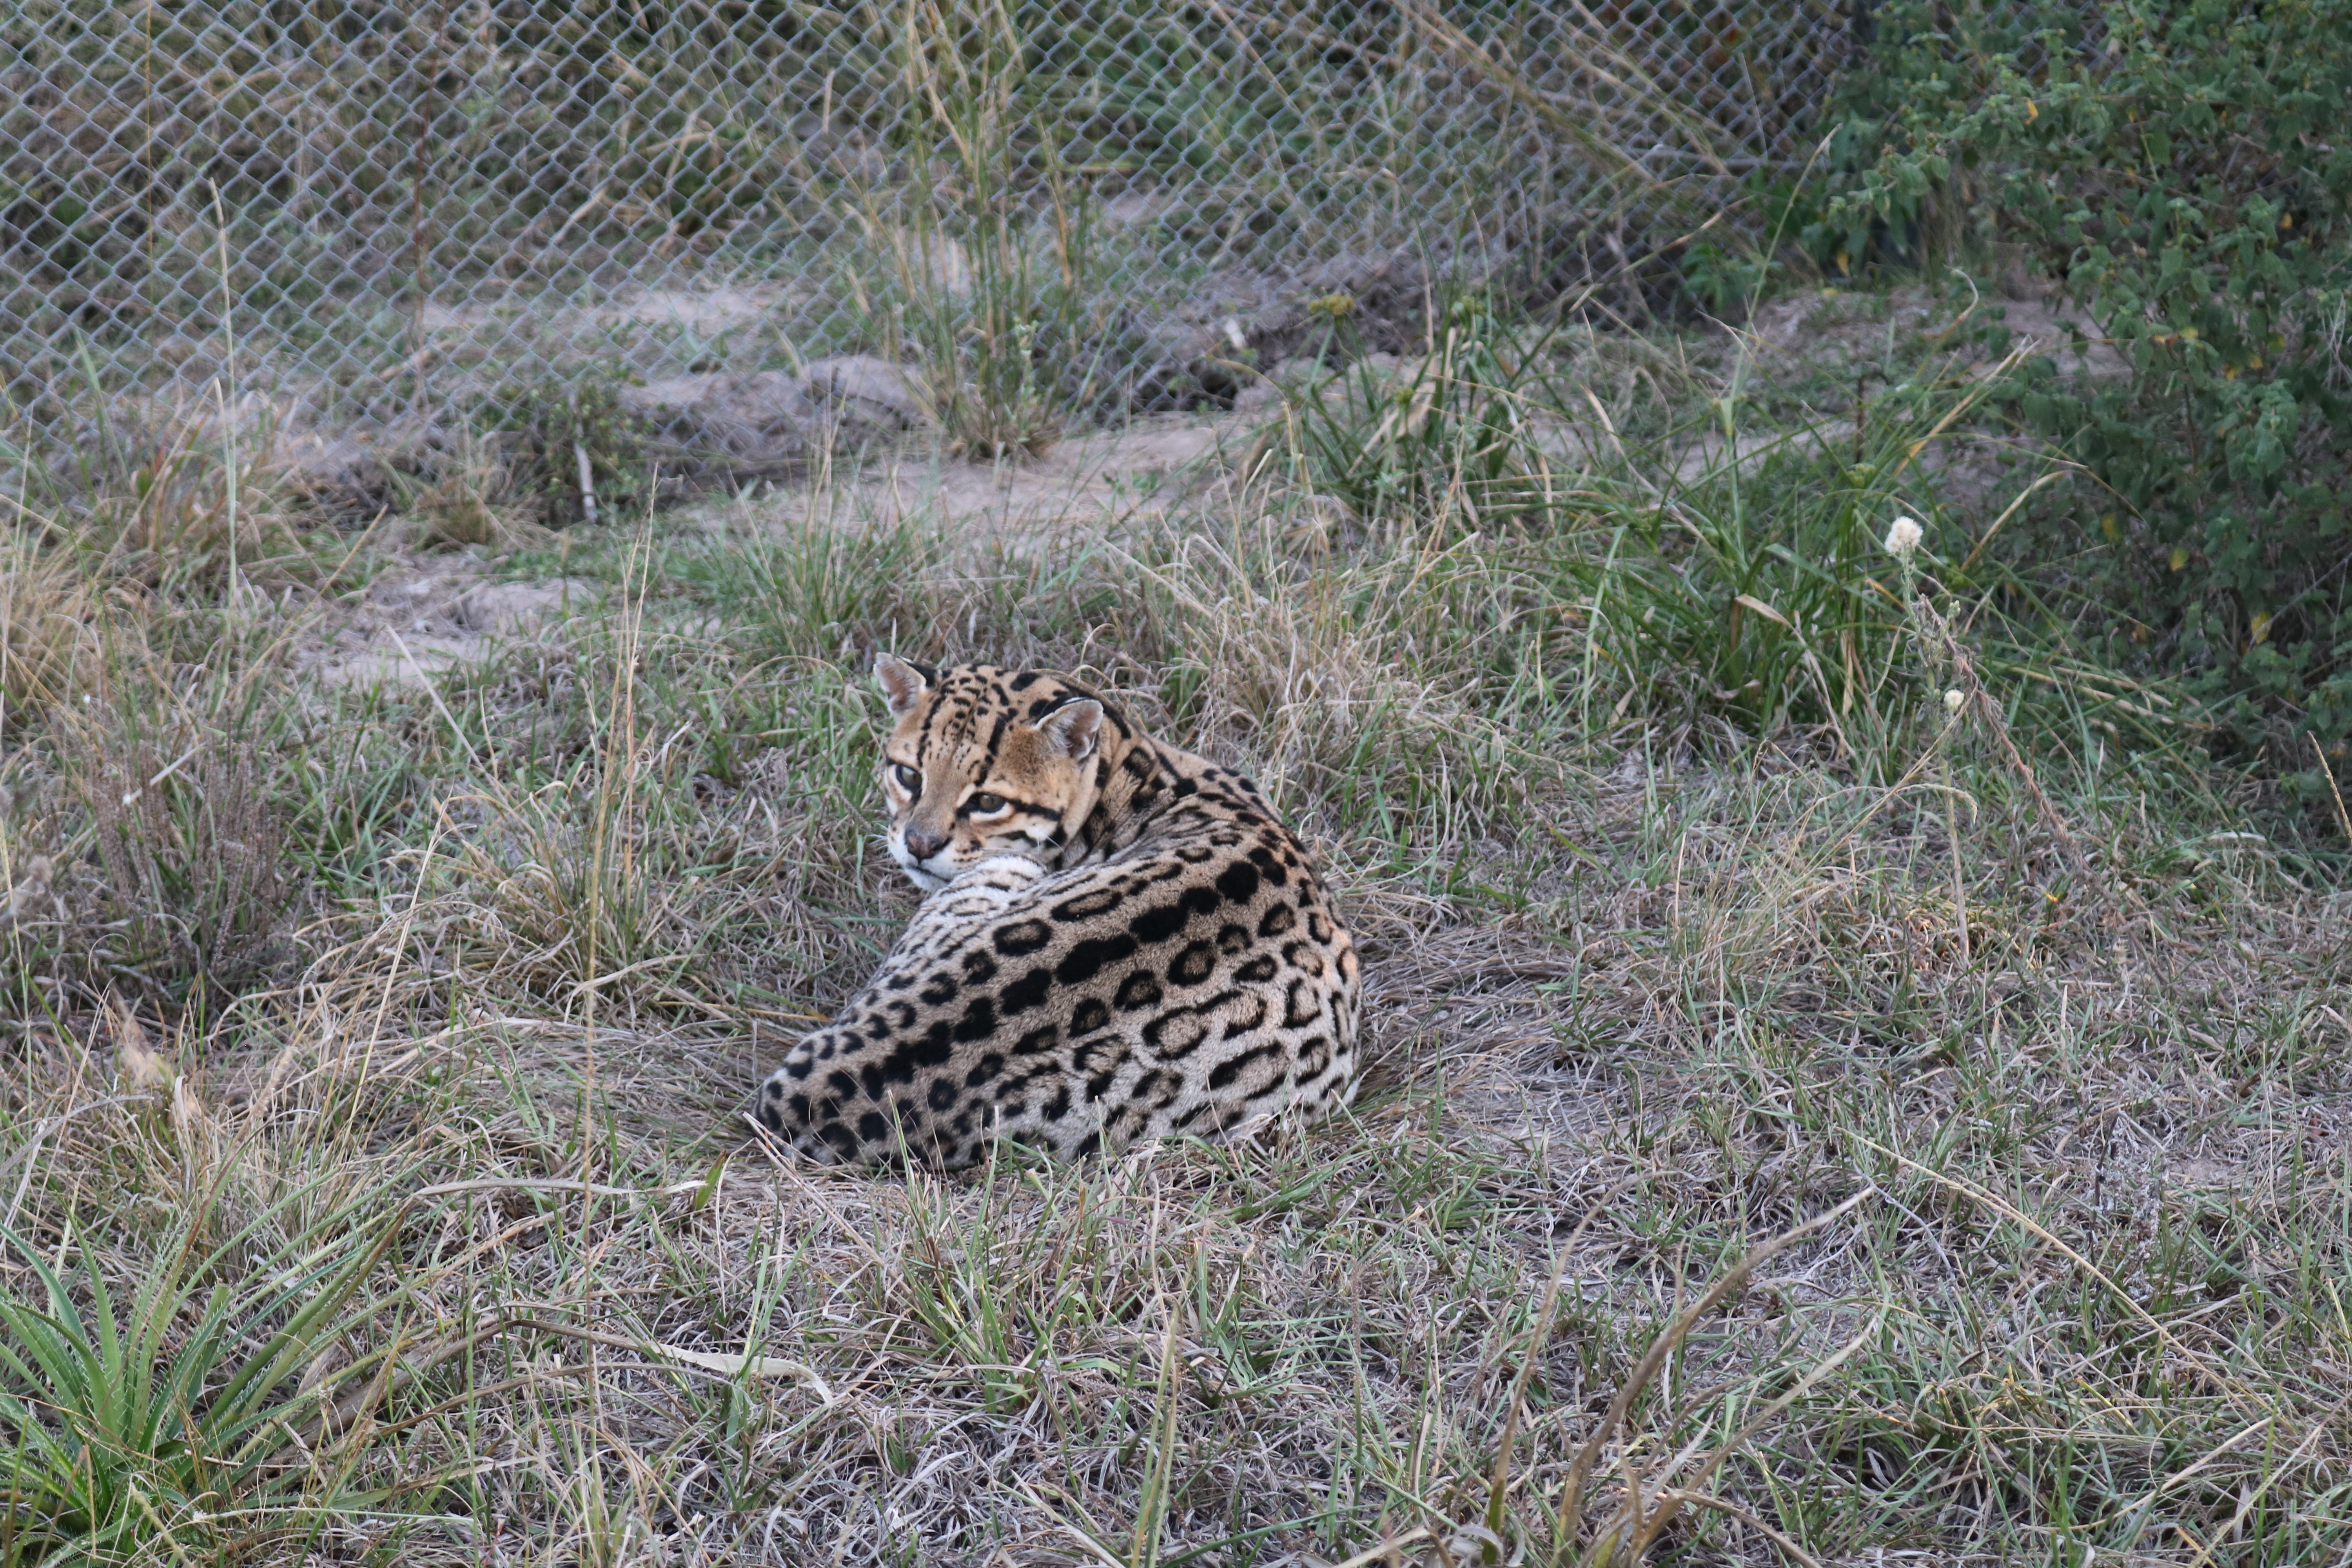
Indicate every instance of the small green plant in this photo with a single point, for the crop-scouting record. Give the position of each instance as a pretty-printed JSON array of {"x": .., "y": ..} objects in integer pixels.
[
  {"x": 1729, "y": 275},
  {"x": 1722, "y": 281},
  {"x": 576, "y": 448},
  {"x": 169, "y": 1428}
]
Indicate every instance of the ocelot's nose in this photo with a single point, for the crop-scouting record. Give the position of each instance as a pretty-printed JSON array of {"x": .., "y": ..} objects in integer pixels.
[{"x": 922, "y": 846}]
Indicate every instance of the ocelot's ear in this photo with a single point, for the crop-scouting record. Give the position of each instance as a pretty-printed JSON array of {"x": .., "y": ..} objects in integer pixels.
[
  {"x": 1073, "y": 729},
  {"x": 902, "y": 682}
]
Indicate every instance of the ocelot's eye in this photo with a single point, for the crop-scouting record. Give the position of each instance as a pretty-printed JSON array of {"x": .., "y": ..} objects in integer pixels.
[
  {"x": 909, "y": 779},
  {"x": 984, "y": 804}
]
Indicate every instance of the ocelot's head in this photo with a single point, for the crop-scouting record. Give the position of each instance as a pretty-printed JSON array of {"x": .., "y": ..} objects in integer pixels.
[{"x": 984, "y": 761}]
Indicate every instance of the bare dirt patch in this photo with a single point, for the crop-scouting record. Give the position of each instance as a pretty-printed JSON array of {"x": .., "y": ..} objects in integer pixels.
[{"x": 426, "y": 613}]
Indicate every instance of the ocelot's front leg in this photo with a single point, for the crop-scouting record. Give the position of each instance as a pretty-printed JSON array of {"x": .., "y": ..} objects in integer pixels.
[{"x": 803, "y": 1101}]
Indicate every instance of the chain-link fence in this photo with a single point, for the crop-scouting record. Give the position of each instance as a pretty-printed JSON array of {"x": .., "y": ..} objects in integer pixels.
[{"x": 354, "y": 209}]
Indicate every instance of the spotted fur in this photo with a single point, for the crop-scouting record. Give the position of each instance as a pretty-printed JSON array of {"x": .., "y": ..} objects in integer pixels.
[{"x": 1121, "y": 942}]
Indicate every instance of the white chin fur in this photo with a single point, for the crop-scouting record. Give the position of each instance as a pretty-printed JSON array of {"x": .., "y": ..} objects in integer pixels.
[{"x": 920, "y": 877}]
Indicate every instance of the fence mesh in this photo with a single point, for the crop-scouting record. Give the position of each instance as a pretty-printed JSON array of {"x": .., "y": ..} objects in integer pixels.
[{"x": 356, "y": 207}]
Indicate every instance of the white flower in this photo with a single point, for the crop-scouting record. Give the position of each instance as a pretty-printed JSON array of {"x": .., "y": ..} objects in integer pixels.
[
  {"x": 1903, "y": 537},
  {"x": 1953, "y": 699}
]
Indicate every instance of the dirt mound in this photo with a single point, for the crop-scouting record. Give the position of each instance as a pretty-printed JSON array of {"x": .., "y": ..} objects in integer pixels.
[
  {"x": 772, "y": 421},
  {"x": 443, "y": 611}
]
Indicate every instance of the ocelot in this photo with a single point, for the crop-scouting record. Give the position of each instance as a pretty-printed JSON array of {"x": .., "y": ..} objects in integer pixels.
[{"x": 1120, "y": 943}]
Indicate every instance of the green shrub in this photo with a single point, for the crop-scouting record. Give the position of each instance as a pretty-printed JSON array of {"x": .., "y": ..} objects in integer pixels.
[
  {"x": 559, "y": 420},
  {"x": 2183, "y": 172}
]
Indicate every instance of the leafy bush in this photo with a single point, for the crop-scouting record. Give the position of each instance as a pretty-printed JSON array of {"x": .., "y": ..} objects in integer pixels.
[{"x": 2183, "y": 172}]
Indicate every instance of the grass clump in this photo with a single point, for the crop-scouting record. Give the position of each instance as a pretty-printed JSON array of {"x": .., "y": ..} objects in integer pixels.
[
  {"x": 173, "y": 1424},
  {"x": 469, "y": 493},
  {"x": 47, "y": 606},
  {"x": 187, "y": 820},
  {"x": 1455, "y": 431},
  {"x": 991, "y": 272}
]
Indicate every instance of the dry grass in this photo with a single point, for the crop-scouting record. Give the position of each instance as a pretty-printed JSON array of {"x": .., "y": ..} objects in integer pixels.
[
  {"x": 45, "y": 610},
  {"x": 172, "y": 773},
  {"x": 173, "y": 503},
  {"x": 468, "y": 494},
  {"x": 1641, "y": 998}
]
